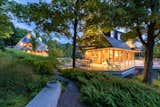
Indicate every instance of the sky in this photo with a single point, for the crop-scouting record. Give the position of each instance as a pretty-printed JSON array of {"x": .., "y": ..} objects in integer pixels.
[
  {"x": 31, "y": 27},
  {"x": 31, "y": 1}
]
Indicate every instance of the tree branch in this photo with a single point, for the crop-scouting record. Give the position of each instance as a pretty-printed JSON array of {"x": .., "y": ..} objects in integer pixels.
[
  {"x": 140, "y": 37},
  {"x": 157, "y": 34}
]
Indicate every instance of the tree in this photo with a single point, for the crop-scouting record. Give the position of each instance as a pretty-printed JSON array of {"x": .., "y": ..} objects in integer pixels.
[
  {"x": 92, "y": 38},
  {"x": 64, "y": 17},
  {"x": 96, "y": 24},
  {"x": 157, "y": 51},
  {"x": 54, "y": 49},
  {"x": 5, "y": 23},
  {"x": 14, "y": 38},
  {"x": 141, "y": 18}
]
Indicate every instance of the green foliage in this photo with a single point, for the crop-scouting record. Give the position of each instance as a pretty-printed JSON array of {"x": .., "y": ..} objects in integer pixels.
[
  {"x": 156, "y": 82},
  {"x": 62, "y": 17},
  {"x": 93, "y": 37},
  {"x": 58, "y": 17},
  {"x": 157, "y": 51},
  {"x": 15, "y": 37},
  {"x": 59, "y": 50},
  {"x": 101, "y": 90},
  {"x": 5, "y": 23},
  {"x": 67, "y": 49},
  {"x": 54, "y": 49},
  {"x": 34, "y": 43},
  {"x": 18, "y": 80},
  {"x": 42, "y": 65},
  {"x": 79, "y": 54},
  {"x": 138, "y": 17}
]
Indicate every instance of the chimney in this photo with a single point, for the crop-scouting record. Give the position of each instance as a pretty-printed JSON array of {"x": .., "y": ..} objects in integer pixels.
[{"x": 116, "y": 35}]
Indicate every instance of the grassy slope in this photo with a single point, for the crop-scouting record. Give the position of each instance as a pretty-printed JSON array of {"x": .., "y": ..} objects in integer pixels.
[{"x": 21, "y": 77}]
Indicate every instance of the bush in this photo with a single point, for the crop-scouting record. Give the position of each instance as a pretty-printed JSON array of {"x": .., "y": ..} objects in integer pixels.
[{"x": 104, "y": 90}]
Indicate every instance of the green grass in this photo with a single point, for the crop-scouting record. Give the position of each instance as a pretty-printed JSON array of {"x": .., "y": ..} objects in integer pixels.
[
  {"x": 103, "y": 90},
  {"x": 42, "y": 65},
  {"x": 22, "y": 76}
]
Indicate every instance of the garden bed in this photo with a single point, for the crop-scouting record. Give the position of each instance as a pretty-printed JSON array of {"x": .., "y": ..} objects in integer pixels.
[{"x": 104, "y": 90}]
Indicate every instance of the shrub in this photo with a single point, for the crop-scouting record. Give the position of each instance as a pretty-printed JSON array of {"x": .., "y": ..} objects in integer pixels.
[
  {"x": 44, "y": 67},
  {"x": 104, "y": 90}
]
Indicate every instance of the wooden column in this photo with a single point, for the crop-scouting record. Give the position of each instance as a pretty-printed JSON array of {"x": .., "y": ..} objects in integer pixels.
[
  {"x": 113, "y": 55},
  {"x": 122, "y": 59},
  {"x": 128, "y": 59}
]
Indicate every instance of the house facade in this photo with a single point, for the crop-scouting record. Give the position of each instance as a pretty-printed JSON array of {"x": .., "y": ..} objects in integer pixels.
[
  {"x": 117, "y": 57},
  {"x": 25, "y": 45}
]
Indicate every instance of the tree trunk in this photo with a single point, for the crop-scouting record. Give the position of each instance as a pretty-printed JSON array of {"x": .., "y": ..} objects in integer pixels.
[
  {"x": 148, "y": 63},
  {"x": 74, "y": 43}
]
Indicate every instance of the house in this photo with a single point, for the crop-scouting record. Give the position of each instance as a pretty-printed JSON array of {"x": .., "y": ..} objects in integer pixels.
[
  {"x": 118, "y": 56},
  {"x": 25, "y": 44}
]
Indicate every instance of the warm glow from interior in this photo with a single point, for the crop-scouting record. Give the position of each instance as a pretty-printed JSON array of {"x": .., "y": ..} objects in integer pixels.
[
  {"x": 20, "y": 43},
  {"x": 130, "y": 43},
  {"x": 34, "y": 52},
  {"x": 111, "y": 58}
]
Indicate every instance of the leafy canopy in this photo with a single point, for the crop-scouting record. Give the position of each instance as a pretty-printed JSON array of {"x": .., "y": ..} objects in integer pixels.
[
  {"x": 57, "y": 16},
  {"x": 5, "y": 23},
  {"x": 139, "y": 17}
]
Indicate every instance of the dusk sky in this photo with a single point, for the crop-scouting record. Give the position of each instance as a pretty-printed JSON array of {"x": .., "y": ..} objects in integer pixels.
[{"x": 62, "y": 39}]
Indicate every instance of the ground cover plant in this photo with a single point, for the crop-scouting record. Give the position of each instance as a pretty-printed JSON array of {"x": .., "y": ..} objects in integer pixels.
[
  {"x": 42, "y": 65},
  {"x": 22, "y": 76},
  {"x": 103, "y": 90}
]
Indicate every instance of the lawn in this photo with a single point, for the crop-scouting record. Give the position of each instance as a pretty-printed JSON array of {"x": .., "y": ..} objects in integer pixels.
[
  {"x": 22, "y": 76},
  {"x": 103, "y": 90}
]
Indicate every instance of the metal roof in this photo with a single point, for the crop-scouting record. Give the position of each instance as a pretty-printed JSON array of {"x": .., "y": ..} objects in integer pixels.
[
  {"x": 25, "y": 39},
  {"x": 40, "y": 45},
  {"x": 117, "y": 43}
]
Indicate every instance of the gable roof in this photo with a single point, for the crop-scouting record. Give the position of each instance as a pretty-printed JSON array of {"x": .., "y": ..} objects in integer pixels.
[
  {"x": 117, "y": 43},
  {"x": 25, "y": 39},
  {"x": 25, "y": 43}
]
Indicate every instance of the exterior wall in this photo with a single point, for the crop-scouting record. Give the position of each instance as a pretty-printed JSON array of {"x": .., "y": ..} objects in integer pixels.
[
  {"x": 113, "y": 57},
  {"x": 97, "y": 56}
]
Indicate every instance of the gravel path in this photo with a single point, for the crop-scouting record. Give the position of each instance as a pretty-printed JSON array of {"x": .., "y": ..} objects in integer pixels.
[{"x": 70, "y": 97}]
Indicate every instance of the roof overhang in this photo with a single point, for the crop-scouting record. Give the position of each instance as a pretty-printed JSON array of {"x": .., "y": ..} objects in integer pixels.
[{"x": 113, "y": 48}]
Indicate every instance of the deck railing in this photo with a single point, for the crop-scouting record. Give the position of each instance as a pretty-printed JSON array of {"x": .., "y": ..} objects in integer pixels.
[{"x": 116, "y": 65}]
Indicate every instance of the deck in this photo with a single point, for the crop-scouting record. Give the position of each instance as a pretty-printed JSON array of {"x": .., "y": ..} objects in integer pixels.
[
  {"x": 139, "y": 64},
  {"x": 131, "y": 70}
]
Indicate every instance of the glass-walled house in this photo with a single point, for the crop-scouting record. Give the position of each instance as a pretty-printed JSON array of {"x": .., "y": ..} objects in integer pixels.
[
  {"x": 111, "y": 58},
  {"x": 117, "y": 57}
]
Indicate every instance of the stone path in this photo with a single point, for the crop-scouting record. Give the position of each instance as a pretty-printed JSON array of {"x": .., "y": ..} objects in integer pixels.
[{"x": 70, "y": 97}]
